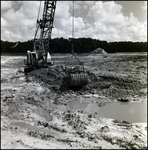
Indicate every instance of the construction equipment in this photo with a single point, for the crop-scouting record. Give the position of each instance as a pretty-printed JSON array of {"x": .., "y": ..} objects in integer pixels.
[
  {"x": 77, "y": 76},
  {"x": 40, "y": 56},
  {"x": 75, "y": 70}
]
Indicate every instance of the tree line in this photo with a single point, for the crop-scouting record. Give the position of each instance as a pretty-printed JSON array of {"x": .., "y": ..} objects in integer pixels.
[{"x": 81, "y": 45}]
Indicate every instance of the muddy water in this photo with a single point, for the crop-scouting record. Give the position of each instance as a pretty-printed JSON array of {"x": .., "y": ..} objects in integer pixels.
[
  {"x": 43, "y": 113},
  {"x": 131, "y": 112}
]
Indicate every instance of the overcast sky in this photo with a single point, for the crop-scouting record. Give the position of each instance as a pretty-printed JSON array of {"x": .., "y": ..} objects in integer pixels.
[{"x": 104, "y": 20}]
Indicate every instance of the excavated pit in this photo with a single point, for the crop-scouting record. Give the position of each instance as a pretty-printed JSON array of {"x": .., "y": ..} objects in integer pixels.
[
  {"x": 75, "y": 88},
  {"x": 121, "y": 78},
  {"x": 36, "y": 113},
  {"x": 58, "y": 79}
]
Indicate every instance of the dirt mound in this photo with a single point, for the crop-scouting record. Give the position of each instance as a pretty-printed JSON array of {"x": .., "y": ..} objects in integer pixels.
[{"x": 99, "y": 51}]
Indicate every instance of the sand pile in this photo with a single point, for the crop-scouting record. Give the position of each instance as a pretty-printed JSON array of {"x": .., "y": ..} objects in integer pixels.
[{"x": 99, "y": 51}]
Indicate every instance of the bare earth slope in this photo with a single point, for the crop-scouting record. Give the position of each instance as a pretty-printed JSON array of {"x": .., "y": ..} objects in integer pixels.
[{"x": 30, "y": 117}]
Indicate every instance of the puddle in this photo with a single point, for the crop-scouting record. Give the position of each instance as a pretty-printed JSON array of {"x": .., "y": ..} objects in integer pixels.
[
  {"x": 43, "y": 113},
  {"x": 77, "y": 106},
  {"x": 131, "y": 112}
]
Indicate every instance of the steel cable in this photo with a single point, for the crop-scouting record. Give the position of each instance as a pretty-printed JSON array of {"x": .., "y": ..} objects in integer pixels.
[
  {"x": 39, "y": 10},
  {"x": 37, "y": 26},
  {"x": 73, "y": 22}
]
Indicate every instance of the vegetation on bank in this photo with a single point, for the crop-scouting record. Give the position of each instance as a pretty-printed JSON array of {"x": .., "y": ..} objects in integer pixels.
[{"x": 81, "y": 45}]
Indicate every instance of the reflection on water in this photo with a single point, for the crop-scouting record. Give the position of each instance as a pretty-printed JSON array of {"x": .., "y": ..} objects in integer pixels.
[
  {"x": 131, "y": 112},
  {"x": 76, "y": 106},
  {"x": 43, "y": 113}
]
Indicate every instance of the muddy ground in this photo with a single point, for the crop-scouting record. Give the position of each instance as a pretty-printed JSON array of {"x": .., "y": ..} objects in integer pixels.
[{"x": 30, "y": 117}]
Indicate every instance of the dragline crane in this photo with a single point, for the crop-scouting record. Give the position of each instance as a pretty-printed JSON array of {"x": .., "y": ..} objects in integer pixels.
[
  {"x": 41, "y": 46},
  {"x": 40, "y": 56}
]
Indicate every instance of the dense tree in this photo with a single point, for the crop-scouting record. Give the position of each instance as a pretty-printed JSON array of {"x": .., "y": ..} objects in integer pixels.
[{"x": 81, "y": 45}]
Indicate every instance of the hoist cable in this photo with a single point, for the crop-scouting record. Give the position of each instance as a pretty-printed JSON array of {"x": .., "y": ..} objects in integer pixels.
[
  {"x": 39, "y": 10},
  {"x": 73, "y": 22},
  {"x": 72, "y": 48},
  {"x": 37, "y": 25}
]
